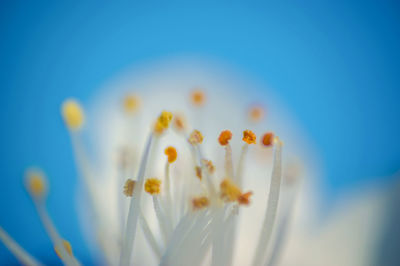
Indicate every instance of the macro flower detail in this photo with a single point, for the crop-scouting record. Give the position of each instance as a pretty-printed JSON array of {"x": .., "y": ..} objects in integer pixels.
[{"x": 194, "y": 212}]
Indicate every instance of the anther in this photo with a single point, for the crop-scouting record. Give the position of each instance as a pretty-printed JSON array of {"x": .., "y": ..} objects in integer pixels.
[
  {"x": 152, "y": 186},
  {"x": 267, "y": 139},
  {"x": 209, "y": 165},
  {"x": 171, "y": 154},
  {"x": 200, "y": 203},
  {"x": 163, "y": 122},
  {"x": 244, "y": 199},
  {"x": 198, "y": 172},
  {"x": 131, "y": 103},
  {"x": 249, "y": 137},
  {"x": 67, "y": 247},
  {"x": 195, "y": 137},
  {"x": 256, "y": 113},
  {"x": 73, "y": 114},
  {"x": 36, "y": 183},
  {"x": 225, "y": 137},
  {"x": 229, "y": 191},
  {"x": 198, "y": 97},
  {"x": 129, "y": 187}
]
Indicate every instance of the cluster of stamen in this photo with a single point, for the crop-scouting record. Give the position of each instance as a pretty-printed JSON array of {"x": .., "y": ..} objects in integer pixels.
[{"x": 228, "y": 192}]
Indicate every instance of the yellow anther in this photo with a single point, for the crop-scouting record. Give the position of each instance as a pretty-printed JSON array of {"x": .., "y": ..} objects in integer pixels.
[
  {"x": 195, "y": 137},
  {"x": 129, "y": 187},
  {"x": 36, "y": 183},
  {"x": 67, "y": 247},
  {"x": 179, "y": 122},
  {"x": 163, "y": 122},
  {"x": 249, "y": 137},
  {"x": 268, "y": 139},
  {"x": 209, "y": 165},
  {"x": 198, "y": 172},
  {"x": 73, "y": 114},
  {"x": 225, "y": 137},
  {"x": 256, "y": 113},
  {"x": 152, "y": 186},
  {"x": 171, "y": 154},
  {"x": 229, "y": 191},
  {"x": 244, "y": 199},
  {"x": 200, "y": 202},
  {"x": 198, "y": 97},
  {"x": 131, "y": 103}
]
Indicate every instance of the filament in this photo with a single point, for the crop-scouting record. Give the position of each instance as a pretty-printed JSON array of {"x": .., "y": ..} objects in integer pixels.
[
  {"x": 22, "y": 256},
  {"x": 133, "y": 214},
  {"x": 272, "y": 205}
]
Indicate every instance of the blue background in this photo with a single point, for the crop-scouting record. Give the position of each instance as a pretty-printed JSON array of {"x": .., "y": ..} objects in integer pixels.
[{"x": 336, "y": 64}]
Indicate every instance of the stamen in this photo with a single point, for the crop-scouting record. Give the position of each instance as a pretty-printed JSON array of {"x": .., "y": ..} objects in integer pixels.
[
  {"x": 179, "y": 123},
  {"x": 200, "y": 203},
  {"x": 133, "y": 214},
  {"x": 171, "y": 153},
  {"x": 163, "y": 122},
  {"x": 129, "y": 187},
  {"x": 272, "y": 206},
  {"x": 35, "y": 184},
  {"x": 229, "y": 191},
  {"x": 198, "y": 98},
  {"x": 256, "y": 113},
  {"x": 67, "y": 247},
  {"x": 244, "y": 199},
  {"x": 152, "y": 186},
  {"x": 149, "y": 235},
  {"x": 198, "y": 172},
  {"x": 225, "y": 137},
  {"x": 195, "y": 137},
  {"x": 165, "y": 224},
  {"x": 267, "y": 139},
  {"x": 73, "y": 114},
  {"x": 131, "y": 103},
  {"x": 22, "y": 256},
  {"x": 209, "y": 165},
  {"x": 249, "y": 137}
]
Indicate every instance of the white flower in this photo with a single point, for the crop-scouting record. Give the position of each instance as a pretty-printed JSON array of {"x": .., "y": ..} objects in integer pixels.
[{"x": 219, "y": 190}]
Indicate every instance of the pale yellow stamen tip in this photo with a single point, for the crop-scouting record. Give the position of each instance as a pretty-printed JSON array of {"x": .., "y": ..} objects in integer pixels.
[
  {"x": 129, "y": 187},
  {"x": 36, "y": 183},
  {"x": 200, "y": 203},
  {"x": 249, "y": 137},
  {"x": 131, "y": 103},
  {"x": 163, "y": 122},
  {"x": 229, "y": 191},
  {"x": 67, "y": 247},
  {"x": 73, "y": 114},
  {"x": 225, "y": 137},
  {"x": 196, "y": 137},
  {"x": 256, "y": 113},
  {"x": 152, "y": 186},
  {"x": 198, "y": 98},
  {"x": 171, "y": 154}
]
